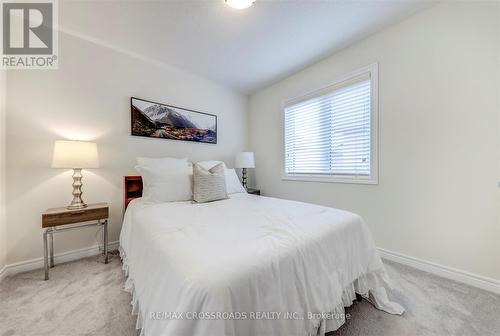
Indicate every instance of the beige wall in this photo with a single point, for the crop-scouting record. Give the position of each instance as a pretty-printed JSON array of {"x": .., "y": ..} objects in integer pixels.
[
  {"x": 88, "y": 99},
  {"x": 3, "y": 227},
  {"x": 438, "y": 198}
]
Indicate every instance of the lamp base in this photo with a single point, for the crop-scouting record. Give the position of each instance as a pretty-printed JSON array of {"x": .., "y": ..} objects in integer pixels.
[
  {"x": 77, "y": 202},
  {"x": 244, "y": 177},
  {"x": 77, "y": 207}
]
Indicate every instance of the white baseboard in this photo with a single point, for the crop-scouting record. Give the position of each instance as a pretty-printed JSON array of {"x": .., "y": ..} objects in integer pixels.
[
  {"x": 471, "y": 279},
  {"x": 451, "y": 273},
  {"x": 3, "y": 273},
  {"x": 36, "y": 263}
]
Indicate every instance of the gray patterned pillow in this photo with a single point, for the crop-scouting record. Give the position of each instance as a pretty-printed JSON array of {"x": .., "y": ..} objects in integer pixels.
[{"x": 209, "y": 185}]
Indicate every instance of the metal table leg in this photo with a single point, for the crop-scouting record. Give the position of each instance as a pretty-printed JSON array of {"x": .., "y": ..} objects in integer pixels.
[
  {"x": 45, "y": 255},
  {"x": 48, "y": 247},
  {"x": 105, "y": 238},
  {"x": 51, "y": 248}
]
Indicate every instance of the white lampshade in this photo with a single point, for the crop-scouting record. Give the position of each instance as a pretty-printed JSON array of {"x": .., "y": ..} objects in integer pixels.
[
  {"x": 244, "y": 160},
  {"x": 75, "y": 154}
]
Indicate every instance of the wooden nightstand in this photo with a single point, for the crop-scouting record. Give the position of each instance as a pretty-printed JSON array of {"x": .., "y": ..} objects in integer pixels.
[
  {"x": 253, "y": 191},
  {"x": 61, "y": 219}
]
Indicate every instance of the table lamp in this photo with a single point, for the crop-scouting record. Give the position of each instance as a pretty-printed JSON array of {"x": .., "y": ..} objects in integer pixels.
[
  {"x": 244, "y": 160},
  {"x": 75, "y": 155}
]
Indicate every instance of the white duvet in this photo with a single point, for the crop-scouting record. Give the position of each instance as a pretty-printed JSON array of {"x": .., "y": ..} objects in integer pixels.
[{"x": 247, "y": 266}]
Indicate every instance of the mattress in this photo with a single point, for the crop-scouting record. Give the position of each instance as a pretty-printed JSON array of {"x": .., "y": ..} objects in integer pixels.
[{"x": 248, "y": 265}]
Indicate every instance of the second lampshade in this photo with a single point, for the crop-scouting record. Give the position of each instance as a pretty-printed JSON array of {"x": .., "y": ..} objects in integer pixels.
[{"x": 244, "y": 160}]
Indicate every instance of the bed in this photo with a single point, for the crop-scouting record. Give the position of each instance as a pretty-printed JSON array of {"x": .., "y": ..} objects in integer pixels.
[{"x": 249, "y": 265}]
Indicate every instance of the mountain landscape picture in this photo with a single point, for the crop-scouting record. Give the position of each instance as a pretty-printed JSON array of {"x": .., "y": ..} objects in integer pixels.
[{"x": 156, "y": 120}]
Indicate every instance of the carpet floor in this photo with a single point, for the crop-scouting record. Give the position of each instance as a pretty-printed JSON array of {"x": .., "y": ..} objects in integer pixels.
[{"x": 86, "y": 297}]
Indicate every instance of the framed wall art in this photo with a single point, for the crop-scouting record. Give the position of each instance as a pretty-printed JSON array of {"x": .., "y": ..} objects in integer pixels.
[{"x": 156, "y": 120}]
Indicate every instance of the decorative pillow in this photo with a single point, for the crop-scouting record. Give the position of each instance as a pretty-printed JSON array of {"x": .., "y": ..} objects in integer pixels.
[
  {"x": 163, "y": 185},
  {"x": 233, "y": 184},
  {"x": 166, "y": 162},
  {"x": 209, "y": 185},
  {"x": 210, "y": 164}
]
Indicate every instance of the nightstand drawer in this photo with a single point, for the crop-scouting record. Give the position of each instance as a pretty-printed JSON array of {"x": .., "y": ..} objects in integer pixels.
[{"x": 62, "y": 216}]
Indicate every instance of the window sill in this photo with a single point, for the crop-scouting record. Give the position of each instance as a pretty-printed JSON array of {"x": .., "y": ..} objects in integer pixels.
[{"x": 332, "y": 179}]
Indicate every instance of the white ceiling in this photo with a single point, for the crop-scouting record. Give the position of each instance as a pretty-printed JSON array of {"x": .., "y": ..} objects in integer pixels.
[{"x": 246, "y": 50}]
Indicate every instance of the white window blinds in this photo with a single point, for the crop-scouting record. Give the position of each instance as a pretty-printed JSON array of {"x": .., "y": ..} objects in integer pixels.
[{"x": 328, "y": 133}]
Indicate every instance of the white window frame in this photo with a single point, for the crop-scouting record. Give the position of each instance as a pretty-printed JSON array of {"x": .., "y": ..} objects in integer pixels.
[{"x": 372, "y": 69}]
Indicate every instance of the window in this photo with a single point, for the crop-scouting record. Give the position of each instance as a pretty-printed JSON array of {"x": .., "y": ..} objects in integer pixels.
[{"x": 331, "y": 134}]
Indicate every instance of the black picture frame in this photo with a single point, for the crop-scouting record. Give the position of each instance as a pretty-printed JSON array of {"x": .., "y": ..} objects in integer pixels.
[{"x": 163, "y": 121}]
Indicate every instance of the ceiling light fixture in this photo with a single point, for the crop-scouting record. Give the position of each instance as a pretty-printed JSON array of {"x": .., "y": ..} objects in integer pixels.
[{"x": 239, "y": 4}]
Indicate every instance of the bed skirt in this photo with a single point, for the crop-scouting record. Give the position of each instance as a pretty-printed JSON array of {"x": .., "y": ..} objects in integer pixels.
[{"x": 370, "y": 286}]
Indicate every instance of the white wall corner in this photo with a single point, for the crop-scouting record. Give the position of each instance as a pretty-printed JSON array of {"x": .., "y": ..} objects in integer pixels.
[{"x": 3, "y": 149}]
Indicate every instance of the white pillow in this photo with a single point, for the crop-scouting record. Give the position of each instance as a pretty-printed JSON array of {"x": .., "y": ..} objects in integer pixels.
[
  {"x": 163, "y": 185},
  {"x": 166, "y": 162},
  {"x": 233, "y": 184},
  {"x": 210, "y": 164}
]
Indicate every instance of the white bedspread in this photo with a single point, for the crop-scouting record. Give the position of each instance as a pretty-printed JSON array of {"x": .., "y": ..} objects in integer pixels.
[{"x": 269, "y": 262}]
